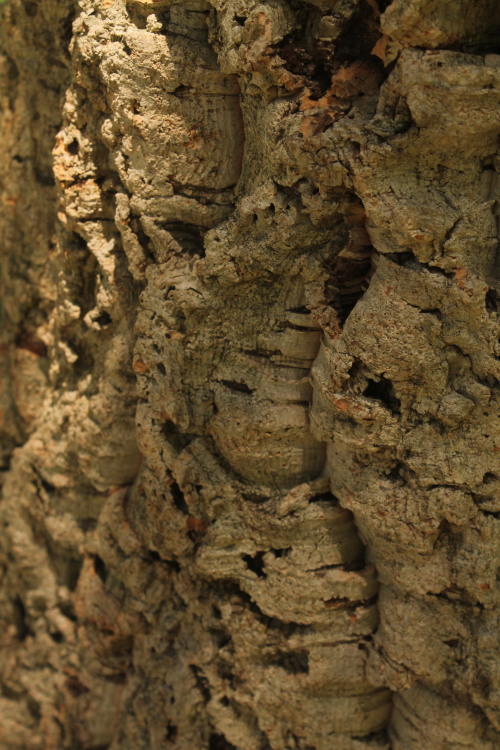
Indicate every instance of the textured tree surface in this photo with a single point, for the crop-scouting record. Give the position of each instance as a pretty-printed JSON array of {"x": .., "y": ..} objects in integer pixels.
[{"x": 249, "y": 350}]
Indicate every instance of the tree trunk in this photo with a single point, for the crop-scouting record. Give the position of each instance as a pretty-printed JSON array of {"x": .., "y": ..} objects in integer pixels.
[{"x": 248, "y": 375}]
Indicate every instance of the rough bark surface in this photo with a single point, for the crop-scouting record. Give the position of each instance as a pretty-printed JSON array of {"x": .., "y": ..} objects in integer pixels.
[{"x": 249, "y": 349}]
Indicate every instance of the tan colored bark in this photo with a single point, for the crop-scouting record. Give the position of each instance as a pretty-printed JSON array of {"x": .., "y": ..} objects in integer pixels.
[{"x": 250, "y": 350}]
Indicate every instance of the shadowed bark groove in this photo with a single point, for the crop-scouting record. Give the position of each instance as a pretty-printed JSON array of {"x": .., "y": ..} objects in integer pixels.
[{"x": 250, "y": 279}]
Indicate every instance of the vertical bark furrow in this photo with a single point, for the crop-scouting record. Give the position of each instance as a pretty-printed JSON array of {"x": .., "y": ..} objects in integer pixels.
[
  {"x": 409, "y": 387},
  {"x": 223, "y": 356},
  {"x": 34, "y": 61},
  {"x": 31, "y": 92}
]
